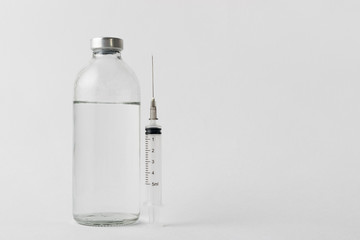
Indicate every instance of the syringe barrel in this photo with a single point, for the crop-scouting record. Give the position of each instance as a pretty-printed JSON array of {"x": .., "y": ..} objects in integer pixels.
[{"x": 153, "y": 168}]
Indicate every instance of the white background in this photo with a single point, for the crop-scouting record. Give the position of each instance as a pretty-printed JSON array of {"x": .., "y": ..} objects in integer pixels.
[{"x": 259, "y": 102}]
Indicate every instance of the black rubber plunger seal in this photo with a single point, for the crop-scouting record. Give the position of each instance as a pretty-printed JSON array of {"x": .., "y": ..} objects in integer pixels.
[{"x": 152, "y": 131}]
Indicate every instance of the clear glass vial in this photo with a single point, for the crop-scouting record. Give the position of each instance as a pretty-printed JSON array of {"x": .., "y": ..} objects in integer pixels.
[{"x": 106, "y": 160}]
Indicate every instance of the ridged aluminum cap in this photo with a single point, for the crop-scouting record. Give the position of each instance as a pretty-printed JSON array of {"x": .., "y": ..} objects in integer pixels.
[{"x": 110, "y": 43}]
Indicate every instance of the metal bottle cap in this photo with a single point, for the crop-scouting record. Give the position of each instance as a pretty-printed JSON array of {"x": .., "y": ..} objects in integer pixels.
[{"x": 110, "y": 43}]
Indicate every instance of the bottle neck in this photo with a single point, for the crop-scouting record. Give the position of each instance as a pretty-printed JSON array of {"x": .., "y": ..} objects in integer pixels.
[{"x": 106, "y": 53}]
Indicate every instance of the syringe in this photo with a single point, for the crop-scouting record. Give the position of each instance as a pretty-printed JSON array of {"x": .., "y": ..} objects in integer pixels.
[{"x": 153, "y": 179}]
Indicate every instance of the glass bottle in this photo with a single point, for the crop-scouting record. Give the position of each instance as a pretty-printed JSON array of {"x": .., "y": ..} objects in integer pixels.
[{"x": 106, "y": 160}]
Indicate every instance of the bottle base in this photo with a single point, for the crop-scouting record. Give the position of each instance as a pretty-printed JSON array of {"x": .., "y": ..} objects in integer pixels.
[{"x": 107, "y": 219}]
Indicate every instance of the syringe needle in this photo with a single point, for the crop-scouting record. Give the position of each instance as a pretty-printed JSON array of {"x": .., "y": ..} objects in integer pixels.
[
  {"x": 152, "y": 71},
  {"x": 153, "y": 114}
]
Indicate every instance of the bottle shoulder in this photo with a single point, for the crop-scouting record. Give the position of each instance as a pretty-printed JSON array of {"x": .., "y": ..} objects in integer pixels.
[
  {"x": 106, "y": 70},
  {"x": 107, "y": 80}
]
